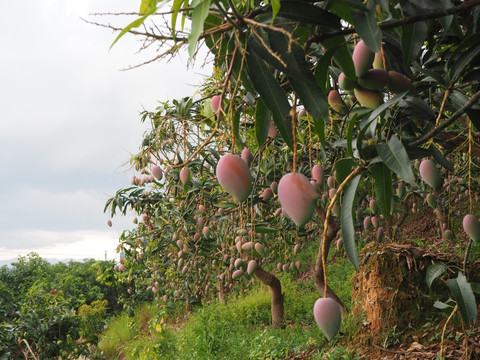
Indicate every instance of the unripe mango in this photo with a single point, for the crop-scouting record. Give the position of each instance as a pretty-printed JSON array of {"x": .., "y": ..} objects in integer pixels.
[
  {"x": 449, "y": 235},
  {"x": 296, "y": 249},
  {"x": 471, "y": 225},
  {"x": 298, "y": 265},
  {"x": 274, "y": 186},
  {"x": 374, "y": 79},
  {"x": 272, "y": 130},
  {"x": 234, "y": 177},
  {"x": 238, "y": 263},
  {"x": 430, "y": 173},
  {"x": 297, "y": 197},
  {"x": 259, "y": 248},
  {"x": 400, "y": 190},
  {"x": 345, "y": 83},
  {"x": 247, "y": 246},
  {"x": 335, "y": 101},
  {"x": 399, "y": 83},
  {"x": 184, "y": 175},
  {"x": 378, "y": 61},
  {"x": 328, "y": 317},
  {"x": 362, "y": 58},
  {"x": 368, "y": 98},
  {"x": 380, "y": 234}
]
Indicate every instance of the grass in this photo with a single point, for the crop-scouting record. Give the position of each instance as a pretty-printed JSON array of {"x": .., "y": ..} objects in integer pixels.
[{"x": 239, "y": 329}]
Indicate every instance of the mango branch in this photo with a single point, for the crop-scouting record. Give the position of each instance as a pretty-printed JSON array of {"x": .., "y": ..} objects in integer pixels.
[
  {"x": 457, "y": 114},
  {"x": 466, "y": 5}
]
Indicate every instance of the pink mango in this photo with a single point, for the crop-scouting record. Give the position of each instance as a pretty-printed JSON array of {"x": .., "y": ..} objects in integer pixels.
[
  {"x": 430, "y": 173},
  {"x": 157, "y": 172},
  {"x": 236, "y": 274},
  {"x": 297, "y": 197},
  {"x": 216, "y": 103},
  {"x": 251, "y": 267},
  {"x": 317, "y": 174},
  {"x": 184, "y": 175},
  {"x": 247, "y": 155},
  {"x": 328, "y": 317},
  {"x": 471, "y": 225},
  {"x": 234, "y": 177},
  {"x": 109, "y": 223}
]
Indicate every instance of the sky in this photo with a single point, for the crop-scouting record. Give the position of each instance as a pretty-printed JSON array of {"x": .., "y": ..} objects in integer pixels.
[{"x": 69, "y": 120}]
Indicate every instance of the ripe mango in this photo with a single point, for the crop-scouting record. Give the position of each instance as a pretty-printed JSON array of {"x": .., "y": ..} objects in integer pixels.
[
  {"x": 398, "y": 83},
  {"x": 233, "y": 176},
  {"x": 374, "y": 79},
  {"x": 362, "y": 58},
  {"x": 328, "y": 317}
]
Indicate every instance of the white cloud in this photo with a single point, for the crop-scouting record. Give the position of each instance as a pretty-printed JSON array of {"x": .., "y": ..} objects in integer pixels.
[{"x": 61, "y": 245}]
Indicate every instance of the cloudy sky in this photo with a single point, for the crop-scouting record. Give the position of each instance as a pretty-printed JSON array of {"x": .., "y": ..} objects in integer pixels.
[{"x": 69, "y": 120}]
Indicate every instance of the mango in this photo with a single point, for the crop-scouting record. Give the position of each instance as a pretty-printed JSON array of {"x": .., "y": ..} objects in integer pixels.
[
  {"x": 236, "y": 274},
  {"x": 317, "y": 174},
  {"x": 374, "y": 79},
  {"x": 216, "y": 103},
  {"x": 378, "y": 61},
  {"x": 335, "y": 101},
  {"x": 328, "y": 317},
  {"x": 345, "y": 83},
  {"x": 184, "y": 175},
  {"x": 471, "y": 225},
  {"x": 368, "y": 98},
  {"x": 362, "y": 58},
  {"x": 247, "y": 155},
  {"x": 430, "y": 174},
  {"x": 259, "y": 248},
  {"x": 251, "y": 267},
  {"x": 234, "y": 177},
  {"x": 398, "y": 83},
  {"x": 157, "y": 172},
  {"x": 297, "y": 197}
]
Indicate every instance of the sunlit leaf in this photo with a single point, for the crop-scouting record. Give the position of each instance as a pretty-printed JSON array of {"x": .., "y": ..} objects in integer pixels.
[{"x": 199, "y": 15}]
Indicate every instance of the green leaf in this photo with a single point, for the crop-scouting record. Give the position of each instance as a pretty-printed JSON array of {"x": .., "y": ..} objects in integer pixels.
[
  {"x": 236, "y": 129},
  {"x": 275, "y": 8},
  {"x": 265, "y": 229},
  {"x": 351, "y": 127},
  {"x": 199, "y": 14},
  {"x": 225, "y": 205},
  {"x": 343, "y": 168},
  {"x": 301, "y": 78},
  {"x": 148, "y": 6},
  {"x": 394, "y": 155},
  {"x": 272, "y": 93},
  {"x": 134, "y": 24},
  {"x": 177, "y": 4},
  {"x": 342, "y": 56},
  {"x": 346, "y": 216},
  {"x": 262, "y": 122},
  {"x": 306, "y": 13},
  {"x": 475, "y": 287},
  {"x": 433, "y": 272},
  {"x": 463, "y": 295},
  {"x": 383, "y": 188},
  {"x": 366, "y": 27},
  {"x": 413, "y": 37}
]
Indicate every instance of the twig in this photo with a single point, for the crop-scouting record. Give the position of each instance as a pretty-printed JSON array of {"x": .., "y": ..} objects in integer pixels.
[{"x": 443, "y": 125}]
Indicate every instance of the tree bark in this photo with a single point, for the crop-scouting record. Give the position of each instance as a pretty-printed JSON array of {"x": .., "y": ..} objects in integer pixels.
[
  {"x": 277, "y": 296},
  {"x": 332, "y": 231}
]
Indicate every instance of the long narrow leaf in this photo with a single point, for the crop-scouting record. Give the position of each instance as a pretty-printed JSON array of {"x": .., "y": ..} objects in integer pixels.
[
  {"x": 463, "y": 294},
  {"x": 348, "y": 230},
  {"x": 262, "y": 122},
  {"x": 199, "y": 15},
  {"x": 394, "y": 155},
  {"x": 433, "y": 272},
  {"x": 413, "y": 37},
  {"x": 382, "y": 176},
  {"x": 272, "y": 93},
  {"x": 366, "y": 26}
]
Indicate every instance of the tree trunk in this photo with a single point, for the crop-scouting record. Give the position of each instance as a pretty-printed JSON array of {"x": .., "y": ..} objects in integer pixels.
[
  {"x": 319, "y": 275},
  {"x": 277, "y": 296}
]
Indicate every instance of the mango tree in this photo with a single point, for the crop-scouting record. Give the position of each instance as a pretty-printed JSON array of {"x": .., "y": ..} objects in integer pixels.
[{"x": 335, "y": 101}]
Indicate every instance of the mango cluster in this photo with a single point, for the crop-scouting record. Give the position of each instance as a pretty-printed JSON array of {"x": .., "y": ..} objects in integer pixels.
[{"x": 371, "y": 79}]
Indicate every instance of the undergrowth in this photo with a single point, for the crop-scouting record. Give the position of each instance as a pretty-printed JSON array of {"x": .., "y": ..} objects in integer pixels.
[{"x": 239, "y": 329}]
